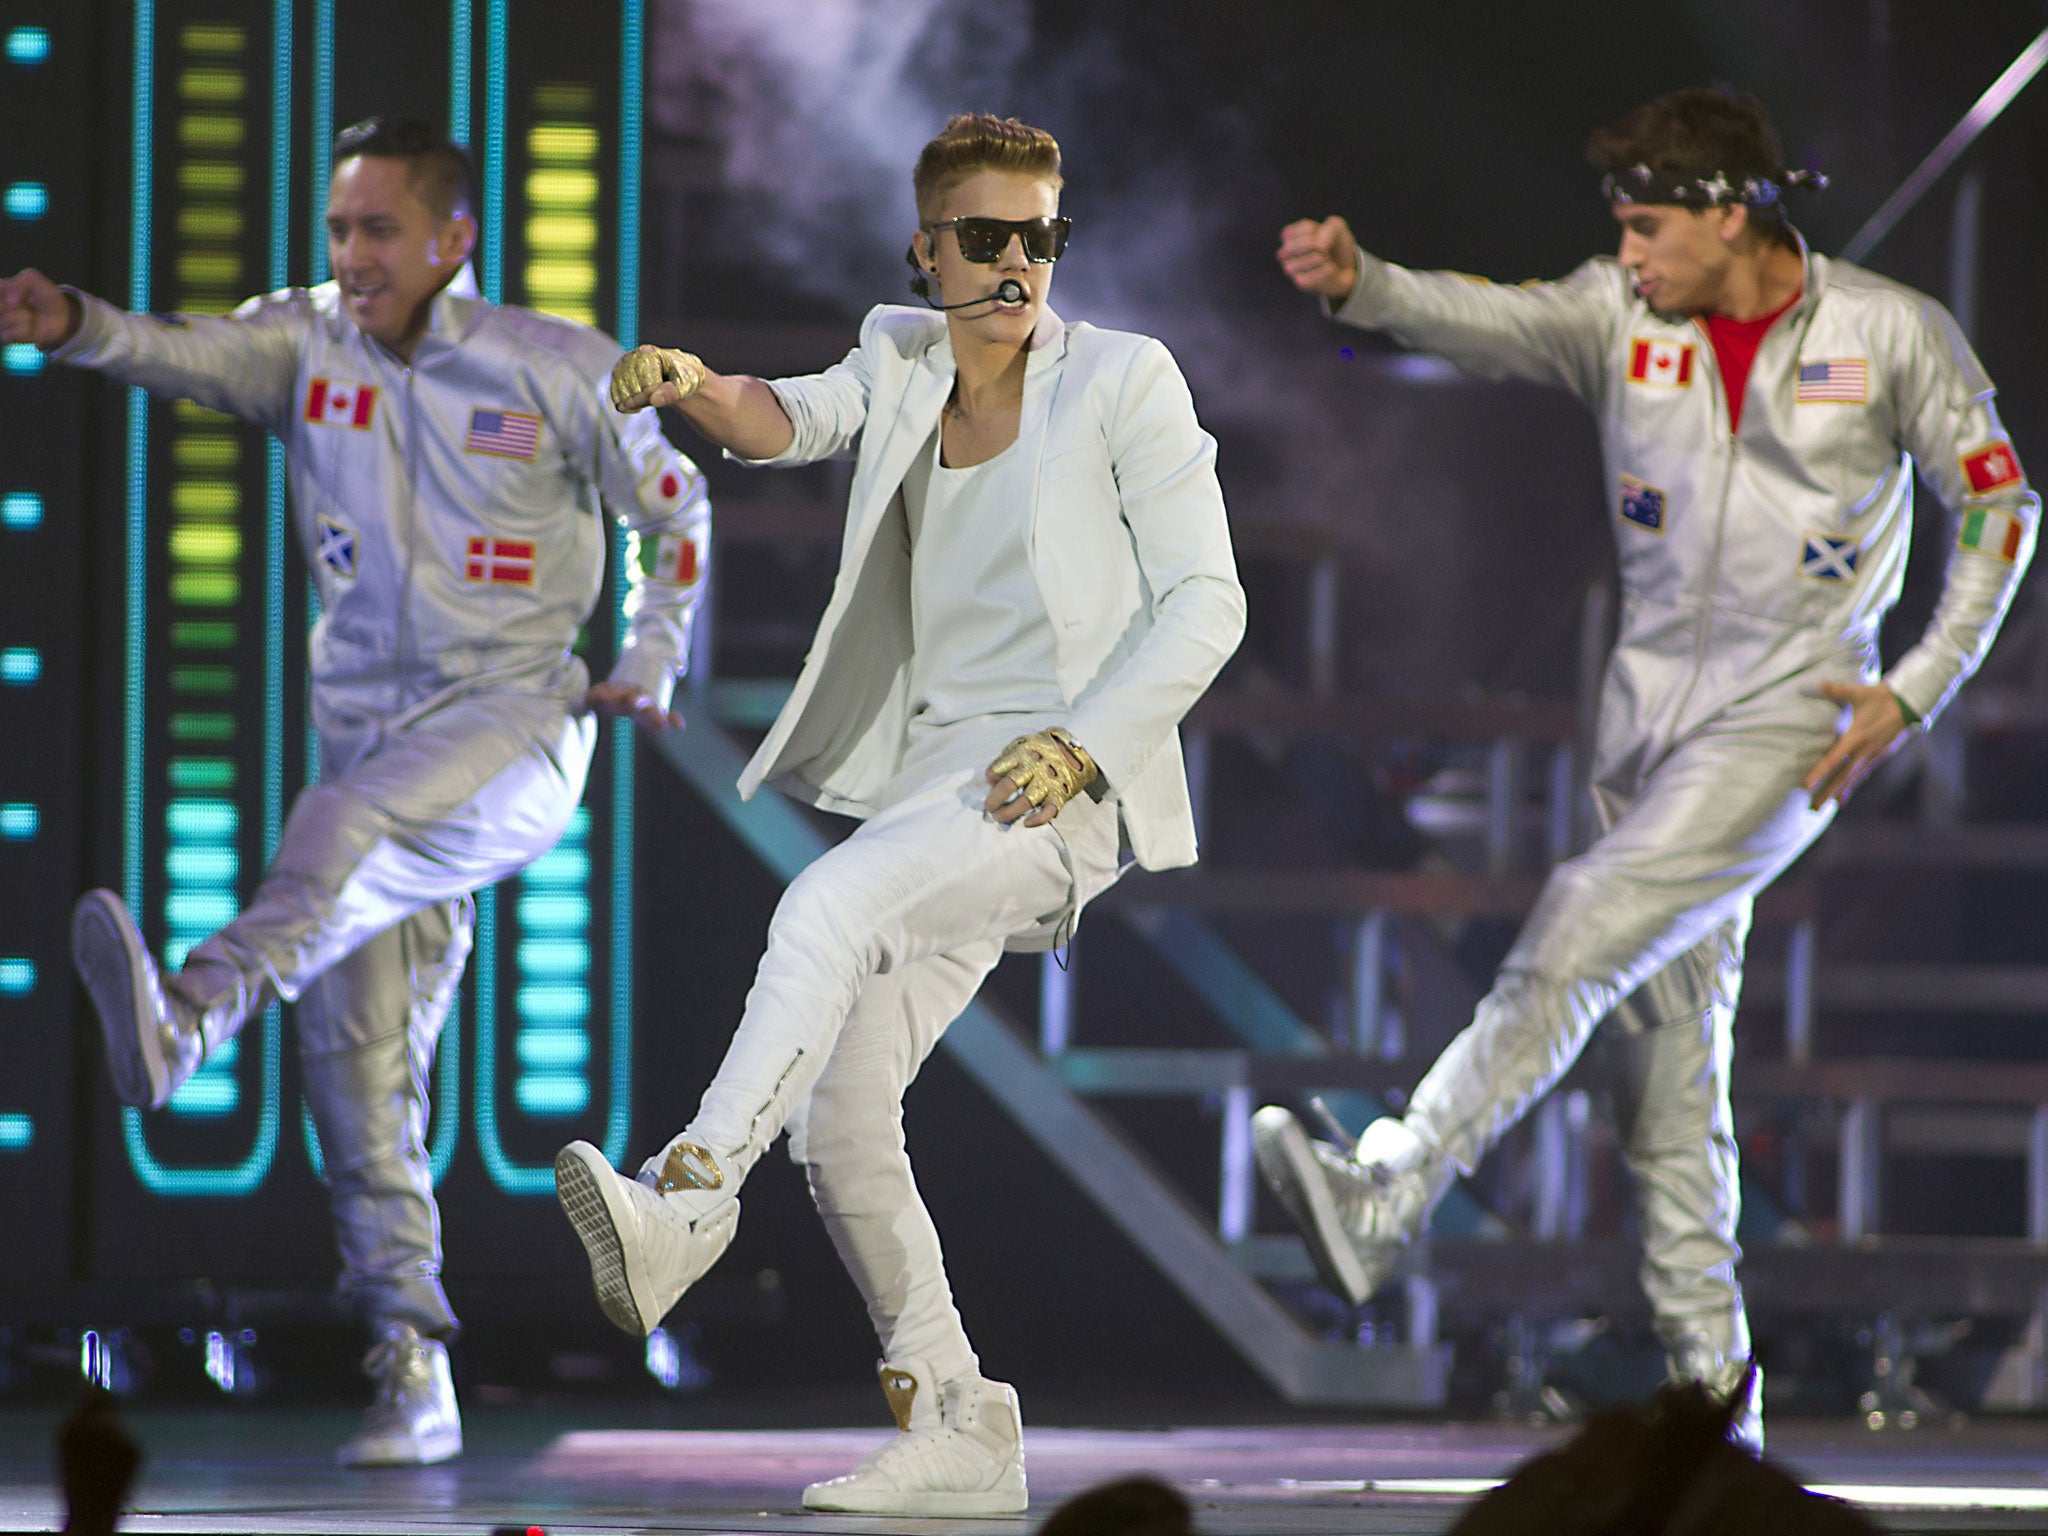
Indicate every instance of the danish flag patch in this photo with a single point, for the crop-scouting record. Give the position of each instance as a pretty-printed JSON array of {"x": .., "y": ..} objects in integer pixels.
[
  {"x": 507, "y": 561},
  {"x": 1667, "y": 364},
  {"x": 1991, "y": 468},
  {"x": 341, "y": 403}
]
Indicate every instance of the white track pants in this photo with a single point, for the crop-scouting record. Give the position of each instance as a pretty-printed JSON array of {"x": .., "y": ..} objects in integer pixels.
[
  {"x": 1652, "y": 916},
  {"x": 364, "y": 918},
  {"x": 873, "y": 951}
]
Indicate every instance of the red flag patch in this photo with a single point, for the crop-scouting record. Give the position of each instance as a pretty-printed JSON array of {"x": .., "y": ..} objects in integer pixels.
[
  {"x": 500, "y": 560},
  {"x": 341, "y": 403},
  {"x": 1664, "y": 363},
  {"x": 1991, "y": 468}
]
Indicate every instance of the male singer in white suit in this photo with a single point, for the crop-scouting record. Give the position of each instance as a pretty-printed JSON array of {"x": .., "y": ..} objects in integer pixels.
[{"x": 1036, "y": 584}]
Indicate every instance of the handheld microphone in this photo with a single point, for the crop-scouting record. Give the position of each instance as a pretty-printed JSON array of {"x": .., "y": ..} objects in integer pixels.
[{"x": 1008, "y": 291}]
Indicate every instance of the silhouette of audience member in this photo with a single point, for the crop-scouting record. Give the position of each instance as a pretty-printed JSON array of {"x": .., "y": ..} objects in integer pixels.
[
  {"x": 96, "y": 1463},
  {"x": 1663, "y": 1469},
  {"x": 1130, "y": 1506}
]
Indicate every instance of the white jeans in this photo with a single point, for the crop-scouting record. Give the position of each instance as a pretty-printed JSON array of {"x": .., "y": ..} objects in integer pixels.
[
  {"x": 1649, "y": 923},
  {"x": 872, "y": 952},
  {"x": 364, "y": 917}
]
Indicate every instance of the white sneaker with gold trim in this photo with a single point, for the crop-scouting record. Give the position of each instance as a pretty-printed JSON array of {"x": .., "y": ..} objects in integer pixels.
[
  {"x": 958, "y": 1452},
  {"x": 651, "y": 1238}
]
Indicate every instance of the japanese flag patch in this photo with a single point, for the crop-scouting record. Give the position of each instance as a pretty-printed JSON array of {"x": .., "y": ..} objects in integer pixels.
[
  {"x": 1992, "y": 467},
  {"x": 341, "y": 403},
  {"x": 1665, "y": 364}
]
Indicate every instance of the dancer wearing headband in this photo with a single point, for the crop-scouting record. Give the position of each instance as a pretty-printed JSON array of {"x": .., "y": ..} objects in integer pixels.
[
  {"x": 1762, "y": 411},
  {"x": 1036, "y": 583}
]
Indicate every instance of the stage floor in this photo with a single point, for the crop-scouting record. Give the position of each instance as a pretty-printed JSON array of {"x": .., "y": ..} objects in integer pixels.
[{"x": 586, "y": 1470}]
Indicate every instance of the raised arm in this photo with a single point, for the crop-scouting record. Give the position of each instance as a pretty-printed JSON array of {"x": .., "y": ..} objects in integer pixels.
[
  {"x": 1552, "y": 333},
  {"x": 735, "y": 411},
  {"x": 245, "y": 363}
]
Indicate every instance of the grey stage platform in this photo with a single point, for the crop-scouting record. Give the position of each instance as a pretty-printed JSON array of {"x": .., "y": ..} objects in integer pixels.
[{"x": 586, "y": 1469}]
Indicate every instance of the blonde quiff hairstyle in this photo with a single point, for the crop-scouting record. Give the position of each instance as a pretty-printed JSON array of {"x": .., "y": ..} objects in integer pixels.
[{"x": 977, "y": 141}]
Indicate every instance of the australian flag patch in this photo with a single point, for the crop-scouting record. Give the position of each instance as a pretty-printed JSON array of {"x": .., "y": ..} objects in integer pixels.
[{"x": 1642, "y": 504}]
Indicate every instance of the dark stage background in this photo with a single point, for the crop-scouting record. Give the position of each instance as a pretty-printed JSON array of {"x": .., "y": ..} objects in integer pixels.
[{"x": 751, "y": 204}]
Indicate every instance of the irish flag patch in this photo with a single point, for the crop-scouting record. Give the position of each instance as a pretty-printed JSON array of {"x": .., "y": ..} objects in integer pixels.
[{"x": 1991, "y": 532}]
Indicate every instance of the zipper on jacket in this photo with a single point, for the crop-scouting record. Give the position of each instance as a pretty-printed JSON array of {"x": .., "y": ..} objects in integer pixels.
[
  {"x": 1719, "y": 405},
  {"x": 412, "y": 502}
]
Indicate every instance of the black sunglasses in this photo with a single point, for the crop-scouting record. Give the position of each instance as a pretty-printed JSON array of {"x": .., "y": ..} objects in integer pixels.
[{"x": 983, "y": 241}]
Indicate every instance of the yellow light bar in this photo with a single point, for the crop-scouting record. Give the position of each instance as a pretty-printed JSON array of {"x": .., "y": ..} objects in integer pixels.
[
  {"x": 209, "y": 269},
  {"x": 214, "y": 85},
  {"x": 205, "y": 498},
  {"x": 210, "y": 178},
  {"x": 198, "y": 222},
  {"x": 204, "y": 451},
  {"x": 561, "y": 233},
  {"x": 210, "y": 130},
  {"x": 561, "y": 279},
  {"x": 212, "y": 37},
  {"x": 206, "y": 543},
  {"x": 562, "y": 190},
  {"x": 575, "y": 143}
]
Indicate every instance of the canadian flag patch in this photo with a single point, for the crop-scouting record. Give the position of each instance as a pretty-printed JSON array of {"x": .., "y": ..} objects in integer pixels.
[
  {"x": 1991, "y": 468},
  {"x": 500, "y": 560},
  {"x": 1667, "y": 364},
  {"x": 341, "y": 403}
]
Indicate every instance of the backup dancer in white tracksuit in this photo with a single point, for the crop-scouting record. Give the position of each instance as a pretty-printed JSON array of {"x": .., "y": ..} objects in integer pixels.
[
  {"x": 1039, "y": 617},
  {"x": 450, "y": 500},
  {"x": 1762, "y": 534}
]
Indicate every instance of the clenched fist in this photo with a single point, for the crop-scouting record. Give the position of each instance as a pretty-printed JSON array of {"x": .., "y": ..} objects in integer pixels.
[
  {"x": 1320, "y": 257},
  {"x": 655, "y": 376},
  {"x": 34, "y": 309}
]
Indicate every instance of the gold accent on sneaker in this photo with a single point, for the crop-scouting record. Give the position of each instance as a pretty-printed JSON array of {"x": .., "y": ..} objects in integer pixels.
[
  {"x": 900, "y": 1387},
  {"x": 689, "y": 1166}
]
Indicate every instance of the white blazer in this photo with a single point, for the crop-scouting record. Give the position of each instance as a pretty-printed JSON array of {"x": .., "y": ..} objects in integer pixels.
[{"x": 1128, "y": 542}]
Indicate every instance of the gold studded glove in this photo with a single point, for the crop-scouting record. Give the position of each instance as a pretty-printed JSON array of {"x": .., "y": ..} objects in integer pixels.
[
  {"x": 1043, "y": 773},
  {"x": 641, "y": 371}
]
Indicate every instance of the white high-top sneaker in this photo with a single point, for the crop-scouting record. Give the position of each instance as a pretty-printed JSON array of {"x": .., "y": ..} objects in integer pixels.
[
  {"x": 1356, "y": 1213},
  {"x": 150, "y": 1050},
  {"x": 958, "y": 1451},
  {"x": 1701, "y": 1361},
  {"x": 649, "y": 1238},
  {"x": 413, "y": 1422}
]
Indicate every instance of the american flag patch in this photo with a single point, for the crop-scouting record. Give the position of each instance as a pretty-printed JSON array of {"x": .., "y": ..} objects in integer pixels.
[
  {"x": 1842, "y": 380},
  {"x": 503, "y": 434},
  {"x": 500, "y": 560}
]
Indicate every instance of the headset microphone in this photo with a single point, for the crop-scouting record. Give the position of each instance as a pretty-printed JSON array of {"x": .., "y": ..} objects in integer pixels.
[{"x": 1008, "y": 291}]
